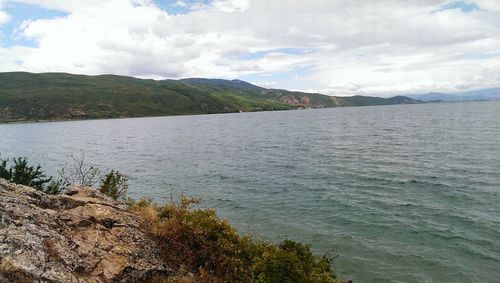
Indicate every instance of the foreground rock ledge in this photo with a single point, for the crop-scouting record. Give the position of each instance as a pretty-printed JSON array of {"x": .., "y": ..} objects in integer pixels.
[{"x": 82, "y": 236}]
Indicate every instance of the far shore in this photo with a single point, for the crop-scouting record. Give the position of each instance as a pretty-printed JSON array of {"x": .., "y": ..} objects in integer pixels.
[{"x": 13, "y": 122}]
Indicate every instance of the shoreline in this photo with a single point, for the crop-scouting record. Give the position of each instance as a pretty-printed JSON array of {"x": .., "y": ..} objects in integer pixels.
[{"x": 221, "y": 113}]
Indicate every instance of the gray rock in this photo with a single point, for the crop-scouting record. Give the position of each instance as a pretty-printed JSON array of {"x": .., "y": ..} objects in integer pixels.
[{"x": 82, "y": 236}]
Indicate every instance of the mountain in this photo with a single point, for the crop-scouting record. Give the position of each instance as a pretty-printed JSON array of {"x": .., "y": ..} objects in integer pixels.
[
  {"x": 476, "y": 95},
  {"x": 218, "y": 82},
  {"x": 61, "y": 96}
]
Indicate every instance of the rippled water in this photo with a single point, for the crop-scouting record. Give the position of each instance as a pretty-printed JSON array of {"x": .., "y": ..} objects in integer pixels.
[{"x": 407, "y": 193}]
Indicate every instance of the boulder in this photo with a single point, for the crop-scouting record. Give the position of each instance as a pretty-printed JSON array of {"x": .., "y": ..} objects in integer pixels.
[{"x": 81, "y": 236}]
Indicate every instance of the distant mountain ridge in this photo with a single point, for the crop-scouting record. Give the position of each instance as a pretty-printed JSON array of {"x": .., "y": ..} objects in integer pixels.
[
  {"x": 60, "y": 96},
  {"x": 476, "y": 95},
  {"x": 220, "y": 82}
]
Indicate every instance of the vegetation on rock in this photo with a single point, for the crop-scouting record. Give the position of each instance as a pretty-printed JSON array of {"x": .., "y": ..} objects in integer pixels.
[
  {"x": 193, "y": 242},
  {"x": 115, "y": 185}
]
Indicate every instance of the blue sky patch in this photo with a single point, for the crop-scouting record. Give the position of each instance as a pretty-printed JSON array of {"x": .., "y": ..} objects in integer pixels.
[
  {"x": 286, "y": 80},
  {"x": 18, "y": 14},
  {"x": 465, "y": 7},
  {"x": 173, "y": 7},
  {"x": 482, "y": 56}
]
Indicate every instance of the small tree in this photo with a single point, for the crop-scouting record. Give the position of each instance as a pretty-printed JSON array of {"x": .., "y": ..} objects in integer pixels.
[
  {"x": 80, "y": 174},
  {"x": 115, "y": 185},
  {"x": 24, "y": 174},
  {"x": 5, "y": 173}
]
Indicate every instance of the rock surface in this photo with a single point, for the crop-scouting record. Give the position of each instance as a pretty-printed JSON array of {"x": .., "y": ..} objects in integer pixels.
[{"x": 82, "y": 236}]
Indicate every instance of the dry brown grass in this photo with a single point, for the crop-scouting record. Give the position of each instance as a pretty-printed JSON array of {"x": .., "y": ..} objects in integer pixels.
[
  {"x": 201, "y": 247},
  {"x": 195, "y": 240}
]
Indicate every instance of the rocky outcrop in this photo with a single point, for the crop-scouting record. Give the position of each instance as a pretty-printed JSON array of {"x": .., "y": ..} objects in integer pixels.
[{"x": 81, "y": 236}]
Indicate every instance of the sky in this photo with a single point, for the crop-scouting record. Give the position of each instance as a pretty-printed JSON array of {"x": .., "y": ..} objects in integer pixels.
[{"x": 335, "y": 47}]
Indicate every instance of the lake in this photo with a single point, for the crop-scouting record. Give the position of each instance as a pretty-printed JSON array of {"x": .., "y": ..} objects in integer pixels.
[{"x": 405, "y": 193}]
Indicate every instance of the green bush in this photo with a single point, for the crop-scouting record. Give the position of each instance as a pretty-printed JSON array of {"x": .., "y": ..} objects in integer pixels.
[
  {"x": 115, "y": 185},
  {"x": 5, "y": 172},
  {"x": 24, "y": 174},
  {"x": 56, "y": 187},
  {"x": 291, "y": 262},
  {"x": 196, "y": 241}
]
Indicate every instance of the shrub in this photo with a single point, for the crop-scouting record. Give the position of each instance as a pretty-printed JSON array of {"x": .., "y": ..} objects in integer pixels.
[
  {"x": 80, "y": 173},
  {"x": 197, "y": 244},
  {"x": 56, "y": 187},
  {"x": 195, "y": 240},
  {"x": 5, "y": 173},
  {"x": 291, "y": 262},
  {"x": 24, "y": 174},
  {"x": 115, "y": 185}
]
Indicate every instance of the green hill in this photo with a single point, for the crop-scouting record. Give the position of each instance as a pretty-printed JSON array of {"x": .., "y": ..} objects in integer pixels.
[{"x": 60, "y": 96}]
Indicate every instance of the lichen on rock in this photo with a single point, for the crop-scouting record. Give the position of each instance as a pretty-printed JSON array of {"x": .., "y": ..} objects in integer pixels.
[{"x": 81, "y": 236}]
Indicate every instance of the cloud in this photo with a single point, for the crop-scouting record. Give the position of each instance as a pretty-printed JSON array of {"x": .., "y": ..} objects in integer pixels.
[
  {"x": 4, "y": 17},
  {"x": 378, "y": 48},
  {"x": 490, "y": 5},
  {"x": 179, "y": 3},
  {"x": 231, "y": 6},
  {"x": 340, "y": 88},
  {"x": 11, "y": 58},
  {"x": 265, "y": 84}
]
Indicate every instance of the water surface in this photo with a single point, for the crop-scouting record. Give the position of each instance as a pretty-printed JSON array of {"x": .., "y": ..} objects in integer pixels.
[{"x": 407, "y": 193}]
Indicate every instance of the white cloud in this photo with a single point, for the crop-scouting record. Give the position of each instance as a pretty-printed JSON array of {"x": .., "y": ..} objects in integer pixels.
[
  {"x": 11, "y": 58},
  {"x": 231, "y": 6},
  {"x": 179, "y": 3},
  {"x": 265, "y": 84},
  {"x": 374, "y": 47},
  {"x": 4, "y": 17},
  {"x": 491, "y": 5}
]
